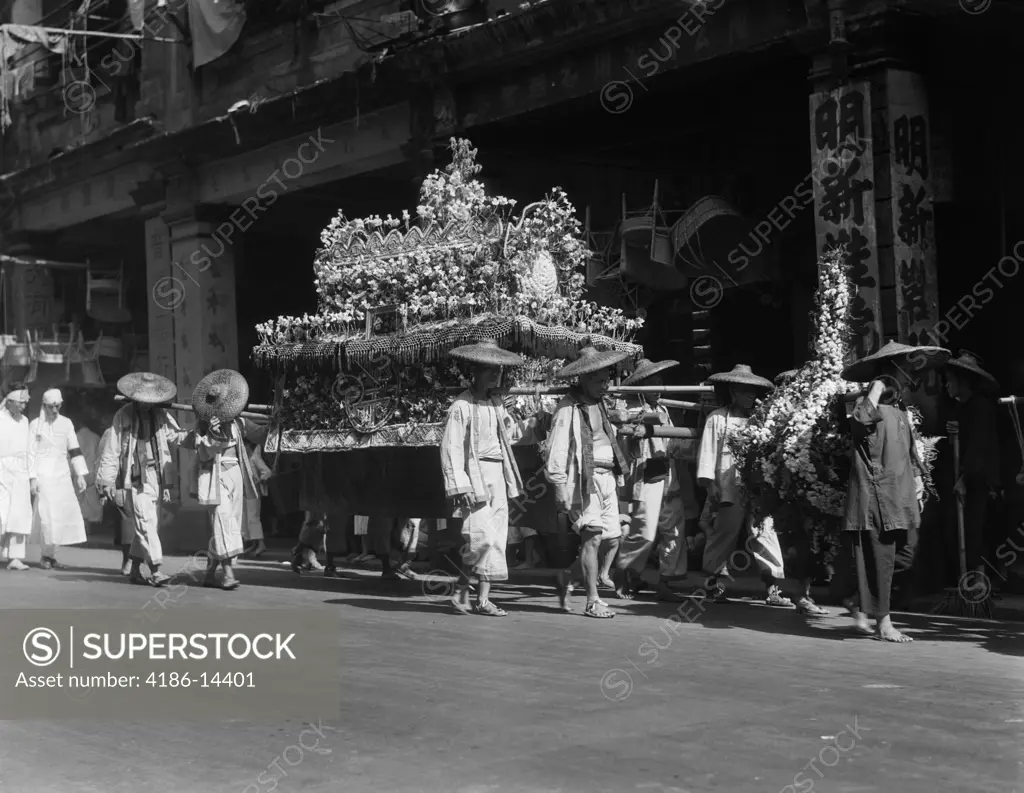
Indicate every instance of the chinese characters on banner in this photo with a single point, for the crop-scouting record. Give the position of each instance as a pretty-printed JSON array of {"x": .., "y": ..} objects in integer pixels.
[
  {"x": 917, "y": 297},
  {"x": 161, "y": 318},
  {"x": 844, "y": 199},
  {"x": 37, "y": 299}
]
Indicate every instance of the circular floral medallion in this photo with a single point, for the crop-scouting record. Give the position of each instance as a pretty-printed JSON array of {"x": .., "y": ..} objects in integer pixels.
[
  {"x": 370, "y": 397},
  {"x": 541, "y": 279}
]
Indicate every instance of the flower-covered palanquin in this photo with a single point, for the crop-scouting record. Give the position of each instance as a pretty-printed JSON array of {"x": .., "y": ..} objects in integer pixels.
[{"x": 370, "y": 371}]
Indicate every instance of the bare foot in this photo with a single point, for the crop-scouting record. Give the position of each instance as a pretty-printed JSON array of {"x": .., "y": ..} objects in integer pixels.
[
  {"x": 564, "y": 586},
  {"x": 860, "y": 623},
  {"x": 887, "y": 633}
]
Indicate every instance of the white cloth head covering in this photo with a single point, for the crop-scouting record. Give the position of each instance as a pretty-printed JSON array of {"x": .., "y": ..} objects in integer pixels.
[
  {"x": 21, "y": 395},
  {"x": 50, "y": 397}
]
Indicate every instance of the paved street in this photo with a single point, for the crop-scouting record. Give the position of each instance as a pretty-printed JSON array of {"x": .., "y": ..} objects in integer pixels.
[{"x": 743, "y": 698}]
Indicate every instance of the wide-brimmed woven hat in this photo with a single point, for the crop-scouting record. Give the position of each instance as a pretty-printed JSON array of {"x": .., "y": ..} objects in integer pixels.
[
  {"x": 222, "y": 394},
  {"x": 785, "y": 377},
  {"x": 648, "y": 368},
  {"x": 488, "y": 353},
  {"x": 592, "y": 360},
  {"x": 741, "y": 374},
  {"x": 912, "y": 359},
  {"x": 146, "y": 387},
  {"x": 966, "y": 361}
]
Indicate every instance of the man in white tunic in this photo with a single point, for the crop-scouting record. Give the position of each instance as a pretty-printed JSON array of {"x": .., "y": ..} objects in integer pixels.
[
  {"x": 651, "y": 474},
  {"x": 727, "y": 507},
  {"x": 586, "y": 466},
  {"x": 480, "y": 471},
  {"x": 17, "y": 479},
  {"x": 137, "y": 462},
  {"x": 222, "y": 477},
  {"x": 57, "y": 518}
]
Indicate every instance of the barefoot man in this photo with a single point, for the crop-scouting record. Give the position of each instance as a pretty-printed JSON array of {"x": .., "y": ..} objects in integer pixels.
[
  {"x": 586, "y": 466},
  {"x": 480, "y": 471},
  {"x": 882, "y": 512}
]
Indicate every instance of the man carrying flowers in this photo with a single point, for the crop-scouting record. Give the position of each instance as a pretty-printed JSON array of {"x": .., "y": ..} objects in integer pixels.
[
  {"x": 727, "y": 507},
  {"x": 882, "y": 509}
]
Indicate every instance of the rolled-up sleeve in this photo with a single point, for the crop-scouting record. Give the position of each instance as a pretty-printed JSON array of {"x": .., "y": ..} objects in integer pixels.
[
  {"x": 556, "y": 468},
  {"x": 710, "y": 448},
  {"x": 110, "y": 456},
  {"x": 866, "y": 413},
  {"x": 453, "y": 451}
]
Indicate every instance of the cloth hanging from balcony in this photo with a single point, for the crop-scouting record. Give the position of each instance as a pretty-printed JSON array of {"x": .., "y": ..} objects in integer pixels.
[
  {"x": 215, "y": 26},
  {"x": 13, "y": 41}
]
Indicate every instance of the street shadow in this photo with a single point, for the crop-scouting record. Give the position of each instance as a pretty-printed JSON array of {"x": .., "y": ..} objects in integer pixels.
[{"x": 439, "y": 606}]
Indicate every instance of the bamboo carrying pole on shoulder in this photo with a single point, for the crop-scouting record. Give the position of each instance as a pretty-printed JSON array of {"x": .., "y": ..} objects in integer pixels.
[{"x": 245, "y": 414}]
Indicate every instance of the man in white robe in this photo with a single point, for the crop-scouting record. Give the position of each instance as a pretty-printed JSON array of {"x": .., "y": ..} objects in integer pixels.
[
  {"x": 480, "y": 472},
  {"x": 57, "y": 517},
  {"x": 727, "y": 514},
  {"x": 17, "y": 479},
  {"x": 137, "y": 463}
]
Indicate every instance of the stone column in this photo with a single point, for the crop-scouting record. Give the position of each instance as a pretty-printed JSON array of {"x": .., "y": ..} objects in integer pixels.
[
  {"x": 908, "y": 259},
  {"x": 161, "y": 284},
  {"x": 842, "y": 162},
  {"x": 871, "y": 147},
  {"x": 200, "y": 294}
]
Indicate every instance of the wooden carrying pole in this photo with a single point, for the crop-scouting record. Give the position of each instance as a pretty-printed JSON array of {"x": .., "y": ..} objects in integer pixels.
[
  {"x": 558, "y": 390},
  {"x": 178, "y": 406},
  {"x": 651, "y": 431}
]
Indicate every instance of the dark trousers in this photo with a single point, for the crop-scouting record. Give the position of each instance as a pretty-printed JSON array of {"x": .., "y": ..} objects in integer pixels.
[
  {"x": 868, "y": 561},
  {"x": 976, "y": 531}
]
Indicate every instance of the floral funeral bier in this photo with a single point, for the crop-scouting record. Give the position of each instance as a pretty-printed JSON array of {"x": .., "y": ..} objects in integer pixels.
[
  {"x": 370, "y": 375},
  {"x": 795, "y": 450}
]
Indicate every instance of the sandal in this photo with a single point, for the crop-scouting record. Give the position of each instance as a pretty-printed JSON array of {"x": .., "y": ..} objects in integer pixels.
[
  {"x": 458, "y": 607},
  {"x": 597, "y": 610},
  {"x": 776, "y": 598},
  {"x": 810, "y": 608},
  {"x": 488, "y": 609}
]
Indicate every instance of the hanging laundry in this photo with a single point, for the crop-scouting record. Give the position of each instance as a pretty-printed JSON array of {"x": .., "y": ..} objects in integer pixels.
[
  {"x": 13, "y": 40},
  {"x": 215, "y": 26}
]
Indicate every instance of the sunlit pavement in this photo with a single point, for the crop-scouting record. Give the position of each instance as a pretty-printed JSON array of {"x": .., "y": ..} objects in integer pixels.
[{"x": 727, "y": 698}]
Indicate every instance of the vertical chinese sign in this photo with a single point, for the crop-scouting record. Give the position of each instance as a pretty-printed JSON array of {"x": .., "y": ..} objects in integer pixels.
[
  {"x": 160, "y": 311},
  {"x": 844, "y": 199},
  {"x": 913, "y": 225},
  {"x": 917, "y": 289}
]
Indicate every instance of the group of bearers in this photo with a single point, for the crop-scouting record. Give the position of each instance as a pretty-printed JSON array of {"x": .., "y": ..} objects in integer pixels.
[
  {"x": 623, "y": 494},
  {"x": 135, "y": 470}
]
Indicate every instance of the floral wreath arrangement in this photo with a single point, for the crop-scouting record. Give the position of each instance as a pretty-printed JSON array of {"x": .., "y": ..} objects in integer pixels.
[
  {"x": 395, "y": 295},
  {"x": 795, "y": 449}
]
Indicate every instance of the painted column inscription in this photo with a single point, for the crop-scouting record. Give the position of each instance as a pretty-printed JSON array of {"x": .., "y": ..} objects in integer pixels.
[{"x": 844, "y": 199}]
